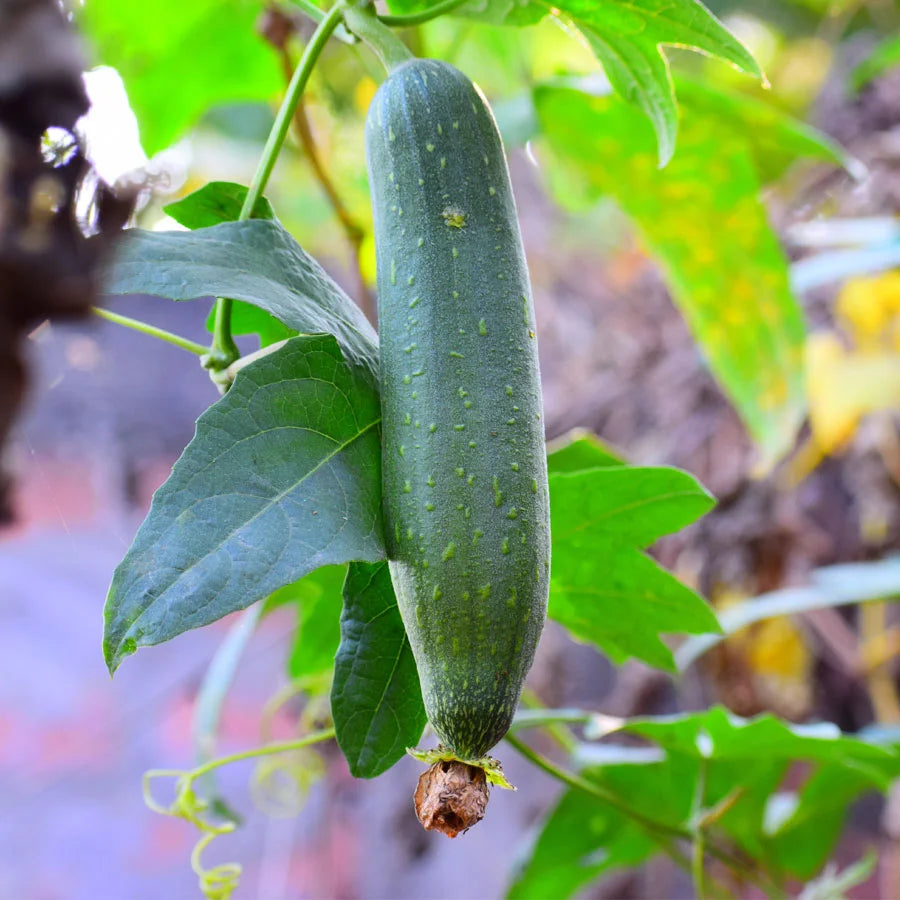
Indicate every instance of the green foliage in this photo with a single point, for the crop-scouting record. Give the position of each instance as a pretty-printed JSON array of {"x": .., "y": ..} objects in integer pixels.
[
  {"x": 282, "y": 476},
  {"x": 601, "y": 520},
  {"x": 704, "y": 221},
  {"x": 627, "y": 39},
  {"x": 736, "y": 766},
  {"x": 581, "y": 450},
  {"x": 375, "y": 699},
  {"x": 318, "y": 601},
  {"x": 256, "y": 261},
  {"x": 885, "y": 57},
  {"x": 214, "y": 203},
  {"x": 179, "y": 59}
]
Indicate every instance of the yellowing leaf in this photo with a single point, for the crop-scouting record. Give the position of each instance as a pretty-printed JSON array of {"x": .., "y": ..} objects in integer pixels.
[
  {"x": 869, "y": 309},
  {"x": 843, "y": 386}
]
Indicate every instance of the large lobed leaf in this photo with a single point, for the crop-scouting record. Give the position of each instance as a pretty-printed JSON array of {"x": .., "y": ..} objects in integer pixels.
[
  {"x": 703, "y": 219},
  {"x": 283, "y": 476},
  {"x": 603, "y": 587}
]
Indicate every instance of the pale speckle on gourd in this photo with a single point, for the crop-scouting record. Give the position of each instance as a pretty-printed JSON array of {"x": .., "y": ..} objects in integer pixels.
[
  {"x": 429, "y": 148},
  {"x": 413, "y": 303},
  {"x": 449, "y": 552},
  {"x": 393, "y": 271}
]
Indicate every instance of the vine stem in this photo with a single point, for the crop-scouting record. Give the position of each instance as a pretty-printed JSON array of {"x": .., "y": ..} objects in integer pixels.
[
  {"x": 223, "y": 342},
  {"x": 660, "y": 830},
  {"x": 362, "y": 21},
  {"x": 419, "y": 18},
  {"x": 152, "y": 330},
  {"x": 326, "y": 734},
  {"x": 697, "y": 848}
]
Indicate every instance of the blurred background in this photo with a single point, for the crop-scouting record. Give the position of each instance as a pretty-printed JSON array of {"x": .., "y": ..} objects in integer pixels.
[{"x": 110, "y": 410}]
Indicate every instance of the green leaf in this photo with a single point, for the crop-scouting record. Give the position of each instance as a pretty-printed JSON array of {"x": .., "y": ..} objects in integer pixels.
[
  {"x": 743, "y": 764},
  {"x": 222, "y": 201},
  {"x": 703, "y": 220},
  {"x": 317, "y": 598},
  {"x": 718, "y": 734},
  {"x": 282, "y": 476},
  {"x": 580, "y": 840},
  {"x": 179, "y": 59},
  {"x": 376, "y": 700},
  {"x": 214, "y": 203},
  {"x": 257, "y": 261},
  {"x": 774, "y": 138},
  {"x": 603, "y": 588},
  {"x": 580, "y": 450},
  {"x": 627, "y": 38},
  {"x": 884, "y": 57}
]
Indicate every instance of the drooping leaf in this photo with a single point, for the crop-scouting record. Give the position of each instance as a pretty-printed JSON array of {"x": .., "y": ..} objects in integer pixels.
[
  {"x": 179, "y": 59},
  {"x": 257, "y": 261},
  {"x": 603, "y": 587},
  {"x": 376, "y": 700},
  {"x": 774, "y": 138},
  {"x": 282, "y": 476},
  {"x": 627, "y": 38},
  {"x": 214, "y": 203},
  {"x": 703, "y": 220}
]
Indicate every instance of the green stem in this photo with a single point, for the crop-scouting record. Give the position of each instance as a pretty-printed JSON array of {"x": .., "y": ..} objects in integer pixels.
[
  {"x": 662, "y": 831},
  {"x": 426, "y": 15},
  {"x": 389, "y": 49},
  {"x": 326, "y": 734},
  {"x": 152, "y": 330},
  {"x": 697, "y": 848},
  {"x": 223, "y": 343}
]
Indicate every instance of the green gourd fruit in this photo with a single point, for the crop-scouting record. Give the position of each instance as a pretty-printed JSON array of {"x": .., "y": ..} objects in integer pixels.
[{"x": 464, "y": 467}]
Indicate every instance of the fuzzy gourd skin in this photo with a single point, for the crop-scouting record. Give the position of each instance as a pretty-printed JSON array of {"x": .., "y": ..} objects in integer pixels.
[{"x": 465, "y": 476}]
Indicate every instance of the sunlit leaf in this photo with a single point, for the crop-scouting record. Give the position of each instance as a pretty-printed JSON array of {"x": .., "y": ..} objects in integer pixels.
[
  {"x": 702, "y": 218},
  {"x": 179, "y": 59}
]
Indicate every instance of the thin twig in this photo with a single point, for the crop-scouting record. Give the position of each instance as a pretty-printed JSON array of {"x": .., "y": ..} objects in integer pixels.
[{"x": 353, "y": 231}]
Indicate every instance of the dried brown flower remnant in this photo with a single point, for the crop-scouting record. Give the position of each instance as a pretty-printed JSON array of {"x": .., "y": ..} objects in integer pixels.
[{"x": 451, "y": 797}]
